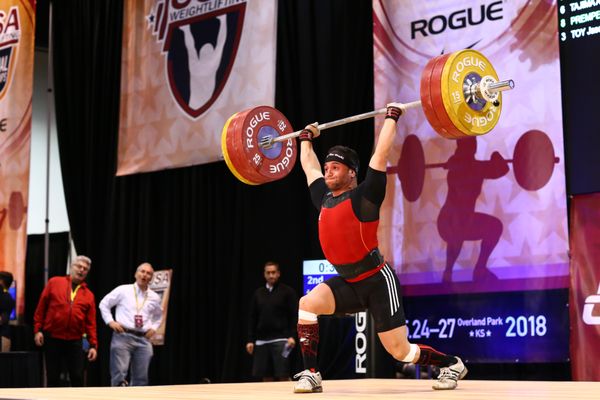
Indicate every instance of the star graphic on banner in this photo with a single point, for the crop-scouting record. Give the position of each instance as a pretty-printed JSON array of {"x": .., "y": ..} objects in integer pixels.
[
  {"x": 181, "y": 152},
  {"x": 434, "y": 192},
  {"x": 488, "y": 333},
  {"x": 158, "y": 128},
  {"x": 415, "y": 241},
  {"x": 506, "y": 217},
  {"x": 527, "y": 257},
  {"x": 515, "y": 191},
  {"x": 169, "y": 139},
  {"x": 439, "y": 149},
  {"x": 146, "y": 103},
  {"x": 546, "y": 217},
  {"x": 471, "y": 334},
  {"x": 157, "y": 65}
]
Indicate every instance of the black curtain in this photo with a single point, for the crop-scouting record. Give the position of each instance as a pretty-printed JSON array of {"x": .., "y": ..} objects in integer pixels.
[
  {"x": 34, "y": 278},
  {"x": 212, "y": 230}
]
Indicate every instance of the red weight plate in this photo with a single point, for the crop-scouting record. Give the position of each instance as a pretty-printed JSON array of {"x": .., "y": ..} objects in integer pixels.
[
  {"x": 238, "y": 158},
  {"x": 448, "y": 129},
  {"x": 426, "y": 98},
  {"x": 256, "y": 163}
]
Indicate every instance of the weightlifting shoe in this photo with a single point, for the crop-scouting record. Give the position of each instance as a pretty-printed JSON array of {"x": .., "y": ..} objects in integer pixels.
[
  {"x": 449, "y": 376},
  {"x": 308, "y": 382}
]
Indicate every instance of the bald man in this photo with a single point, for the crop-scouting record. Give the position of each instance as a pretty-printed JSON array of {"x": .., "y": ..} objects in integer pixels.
[{"x": 138, "y": 314}]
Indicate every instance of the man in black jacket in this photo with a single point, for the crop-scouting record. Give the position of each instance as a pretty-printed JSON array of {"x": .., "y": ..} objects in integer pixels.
[{"x": 273, "y": 317}]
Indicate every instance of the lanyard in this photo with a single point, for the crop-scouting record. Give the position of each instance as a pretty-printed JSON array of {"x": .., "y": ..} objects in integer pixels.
[
  {"x": 138, "y": 308},
  {"x": 74, "y": 292}
]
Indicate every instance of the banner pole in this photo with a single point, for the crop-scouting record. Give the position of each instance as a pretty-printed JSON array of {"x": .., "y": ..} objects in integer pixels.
[{"x": 49, "y": 109}]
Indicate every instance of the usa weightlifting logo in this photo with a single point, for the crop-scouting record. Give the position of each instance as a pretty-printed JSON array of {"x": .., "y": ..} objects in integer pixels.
[
  {"x": 200, "y": 42},
  {"x": 590, "y": 302},
  {"x": 10, "y": 34}
]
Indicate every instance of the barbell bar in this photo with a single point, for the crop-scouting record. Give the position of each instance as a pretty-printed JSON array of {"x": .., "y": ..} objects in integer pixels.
[
  {"x": 487, "y": 89},
  {"x": 460, "y": 96},
  {"x": 267, "y": 141},
  {"x": 533, "y": 163}
]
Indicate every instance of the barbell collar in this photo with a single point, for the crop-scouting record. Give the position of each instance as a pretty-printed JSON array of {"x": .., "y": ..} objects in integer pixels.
[
  {"x": 501, "y": 86},
  {"x": 487, "y": 89},
  {"x": 268, "y": 141}
]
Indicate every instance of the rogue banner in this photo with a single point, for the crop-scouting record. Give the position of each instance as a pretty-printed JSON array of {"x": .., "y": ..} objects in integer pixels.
[
  {"x": 17, "y": 29},
  {"x": 187, "y": 66},
  {"x": 487, "y": 213}
]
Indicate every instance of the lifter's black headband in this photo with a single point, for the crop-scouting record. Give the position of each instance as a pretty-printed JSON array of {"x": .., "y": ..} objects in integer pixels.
[{"x": 344, "y": 155}]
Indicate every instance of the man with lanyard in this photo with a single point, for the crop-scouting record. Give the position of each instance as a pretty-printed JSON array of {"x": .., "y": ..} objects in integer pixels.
[
  {"x": 348, "y": 221},
  {"x": 137, "y": 317},
  {"x": 65, "y": 312}
]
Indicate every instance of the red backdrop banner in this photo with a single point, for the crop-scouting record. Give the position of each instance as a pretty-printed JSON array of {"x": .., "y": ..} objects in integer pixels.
[{"x": 585, "y": 287}]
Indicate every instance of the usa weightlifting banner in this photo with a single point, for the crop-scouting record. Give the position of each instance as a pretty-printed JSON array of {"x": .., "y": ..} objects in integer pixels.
[
  {"x": 161, "y": 284},
  {"x": 187, "y": 65},
  {"x": 488, "y": 212},
  {"x": 17, "y": 28}
]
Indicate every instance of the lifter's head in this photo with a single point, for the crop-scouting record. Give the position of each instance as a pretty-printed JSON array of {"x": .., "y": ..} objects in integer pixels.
[{"x": 341, "y": 167}]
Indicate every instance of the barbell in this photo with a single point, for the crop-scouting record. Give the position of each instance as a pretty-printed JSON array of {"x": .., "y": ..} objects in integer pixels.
[
  {"x": 460, "y": 96},
  {"x": 533, "y": 163}
]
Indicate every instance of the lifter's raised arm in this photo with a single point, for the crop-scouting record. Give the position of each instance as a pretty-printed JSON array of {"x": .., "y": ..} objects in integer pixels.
[
  {"x": 308, "y": 158},
  {"x": 386, "y": 138}
]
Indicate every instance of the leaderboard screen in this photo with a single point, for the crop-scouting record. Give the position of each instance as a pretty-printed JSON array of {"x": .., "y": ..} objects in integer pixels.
[
  {"x": 315, "y": 272},
  {"x": 523, "y": 327},
  {"x": 579, "y": 43}
]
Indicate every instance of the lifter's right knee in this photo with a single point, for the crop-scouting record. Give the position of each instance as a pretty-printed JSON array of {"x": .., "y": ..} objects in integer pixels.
[{"x": 318, "y": 301}]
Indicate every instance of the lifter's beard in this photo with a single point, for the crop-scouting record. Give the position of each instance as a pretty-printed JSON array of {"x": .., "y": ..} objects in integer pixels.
[{"x": 336, "y": 186}]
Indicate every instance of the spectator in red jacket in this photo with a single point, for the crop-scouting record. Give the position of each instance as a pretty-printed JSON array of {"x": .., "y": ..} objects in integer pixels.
[{"x": 66, "y": 311}]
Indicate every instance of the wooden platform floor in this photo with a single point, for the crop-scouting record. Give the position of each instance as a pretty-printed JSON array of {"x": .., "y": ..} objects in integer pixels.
[{"x": 403, "y": 389}]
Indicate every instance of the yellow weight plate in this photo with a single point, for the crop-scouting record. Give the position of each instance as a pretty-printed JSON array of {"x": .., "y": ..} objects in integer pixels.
[
  {"x": 472, "y": 119},
  {"x": 226, "y": 157}
]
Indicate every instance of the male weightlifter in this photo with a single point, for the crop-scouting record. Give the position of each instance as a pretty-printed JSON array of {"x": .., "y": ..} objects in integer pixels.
[{"x": 348, "y": 220}]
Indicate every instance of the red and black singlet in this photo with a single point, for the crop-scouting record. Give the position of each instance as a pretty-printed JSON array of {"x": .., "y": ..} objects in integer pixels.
[{"x": 348, "y": 223}]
